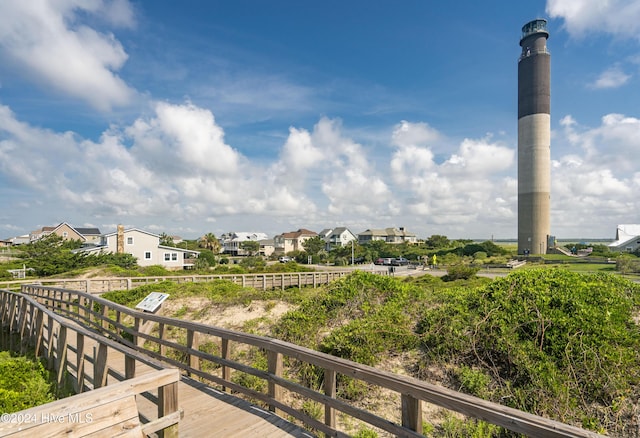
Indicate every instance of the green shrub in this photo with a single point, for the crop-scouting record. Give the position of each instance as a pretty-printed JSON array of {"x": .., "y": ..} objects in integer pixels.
[
  {"x": 556, "y": 343},
  {"x": 23, "y": 383},
  {"x": 154, "y": 271},
  {"x": 460, "y": 271}
]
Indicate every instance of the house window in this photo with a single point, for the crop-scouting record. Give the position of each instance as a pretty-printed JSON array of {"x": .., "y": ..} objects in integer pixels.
[
  {"x": 147, "y": 255},
  {"x": 167, "y": 257},
  {"x": 174, "y": 256},
  {"x": 65, "y": 234},
  {"x": 129, "y": 240},
  {"x": 170, "y": 256}
]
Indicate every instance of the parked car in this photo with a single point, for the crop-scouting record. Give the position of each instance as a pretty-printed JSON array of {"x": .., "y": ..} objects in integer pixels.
[
  {"x": 284, "y": 259},
  {"x": 399, "y": 261}
]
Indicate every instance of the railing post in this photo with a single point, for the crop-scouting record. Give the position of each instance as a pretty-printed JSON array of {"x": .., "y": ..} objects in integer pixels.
[
  {"x": 226, "y": 371},
  {"x": 50, "y": 336},
  {"x": 162, "y": 349},
  {"x": 61, "y": 360},
  {"x": 136, "y": 328},
  {"x": 274, "y": 364},
  {"x": 12, "y": 319},
  {"x": 167, "y": 404},
  {"x": 23, "y": 317},
  {"x": 412, "y": 413},
  {"x": 79, "y": 362},
  {"x": 100, "y": 368},
  {"x": 329, "y": 390},
  {"x": 38, "y": 333},
  {"x": 105, "y": 320},
  {"x": 192, "y": 344},
  {"x": 33, "y": 311},
  {"x": 129, "y": 367}
]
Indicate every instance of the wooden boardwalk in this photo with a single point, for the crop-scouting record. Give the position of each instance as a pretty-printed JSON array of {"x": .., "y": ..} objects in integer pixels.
[{"x": 206, "y": 410}]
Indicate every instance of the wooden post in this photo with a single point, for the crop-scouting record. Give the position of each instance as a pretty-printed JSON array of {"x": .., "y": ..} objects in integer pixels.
[
  {"x": 61, "y": 360},
  {"x": 162, "y": 348},
  {"x": 329, "y": 390},
  {"x": 412, "y": 413},
  {"x": 129, "y": 367},
  {"x": 136, "y": 328},
  {"x": 79, "y": 362},
  {"x": 3, "y": 317},
  {"x": 105, "y": 320},
  {"x": 23, "y": 317},
  {"x": 50, "y": 336},
  {"x": 193, "y": 343},
  {"x": 274, "y": 364},
  {"x": 167, "y": 404},
  {"x": 38, "y": 333},
  {"x": 33, "y": 311},
  {"x": 100, "y": 368},
  {"x": 12, "y": 318},
  {"x": 226, "y": 371}
]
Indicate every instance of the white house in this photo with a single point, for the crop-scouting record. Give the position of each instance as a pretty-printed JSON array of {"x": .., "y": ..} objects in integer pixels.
[
  {"x": 232, "y": 242},
  {"x": 627, "y": 238},
  {"x": 336, "y": 237},
  {"x": 145, "y": 246}
]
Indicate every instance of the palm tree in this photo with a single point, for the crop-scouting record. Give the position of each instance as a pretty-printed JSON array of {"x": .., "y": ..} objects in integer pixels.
[{"x": 211, "y": 242}]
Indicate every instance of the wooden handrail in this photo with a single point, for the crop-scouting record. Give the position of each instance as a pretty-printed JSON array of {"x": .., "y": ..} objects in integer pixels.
[
  {"x": 412, "y": 392},
  {"x": 261, "y": 281},
  {"x": 28, "y": 325}
]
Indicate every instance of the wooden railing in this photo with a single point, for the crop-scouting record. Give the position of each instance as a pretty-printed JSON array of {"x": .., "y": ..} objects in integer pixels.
[
  {"x": 266, "y": 281},
  {"x": 218, "y": 356},
  {"x": 29, "y": 326}
]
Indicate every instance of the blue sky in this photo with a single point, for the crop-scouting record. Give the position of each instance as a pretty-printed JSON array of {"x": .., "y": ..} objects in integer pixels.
[{"x": 214, "y": 116}]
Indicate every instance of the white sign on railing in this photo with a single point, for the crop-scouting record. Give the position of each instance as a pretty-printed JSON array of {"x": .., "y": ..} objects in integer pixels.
[{"x": 152, "y": 301}]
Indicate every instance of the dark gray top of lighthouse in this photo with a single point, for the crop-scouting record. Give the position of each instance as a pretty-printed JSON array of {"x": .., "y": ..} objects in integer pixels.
[{"x": 537, "y": 26}]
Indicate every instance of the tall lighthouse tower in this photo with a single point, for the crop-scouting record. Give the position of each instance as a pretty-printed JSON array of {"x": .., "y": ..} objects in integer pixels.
[{"x": 534, "y": 139}]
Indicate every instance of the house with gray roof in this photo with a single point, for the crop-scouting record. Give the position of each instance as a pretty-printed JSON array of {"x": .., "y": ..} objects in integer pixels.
[
  {"x": 232, "y": 242},
  {"x": 337, "y": 237},
  {"x": 387, "y": 235}
]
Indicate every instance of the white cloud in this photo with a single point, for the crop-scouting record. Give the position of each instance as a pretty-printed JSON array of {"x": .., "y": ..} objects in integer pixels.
[
  {"x": 613, "y": 77},
  {"x": 464, "y": 188},
  {"x": 176, "y": 165},
  {"x": 408, "y": 134},
  {"x": 595, "y": 184},
  {"x": 617, "y": 17},
  {"x": 49, "y": 41}
]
